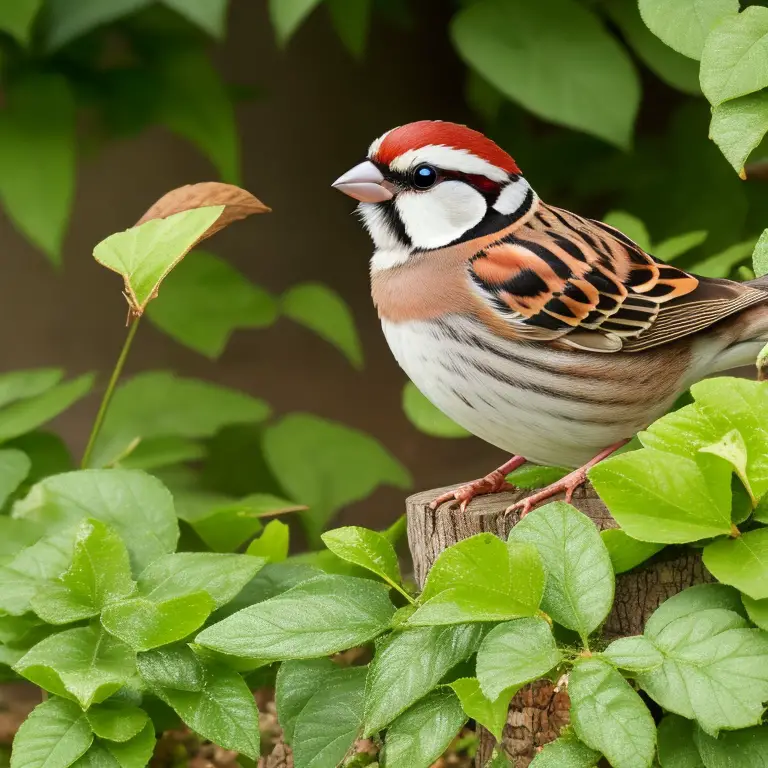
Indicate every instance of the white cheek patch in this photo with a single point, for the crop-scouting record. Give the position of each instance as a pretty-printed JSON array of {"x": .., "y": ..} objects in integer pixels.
[
  {"x": 435, "y": 218},
  {"x": 448, "y": 157},
  {"x": 512, "y": 196},
  {"x": 378, "y": 227}
]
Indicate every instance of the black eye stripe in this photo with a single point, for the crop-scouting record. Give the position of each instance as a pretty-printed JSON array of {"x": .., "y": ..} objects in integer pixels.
[{"x": 485, "y": 186}]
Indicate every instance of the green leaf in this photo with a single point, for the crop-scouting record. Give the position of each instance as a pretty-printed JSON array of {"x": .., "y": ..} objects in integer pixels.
[
  {"x": 733, "y": 62},
  {"x": 327, "y": 465},
  {"x": 721, "y": 405},
  {"x": 481, "y": 579},
  {"x": 368, "y": 549},
  {"x": 635, "y": 654},
  {"x": 757, "y": 610},
  {"x": 673, "y": 68},
  {"x": 158, "y": 404},
  {"x": 206, "y": 300},
  {"x": 491, "y": 713},
  {"x": 580, "y": 583},
  {"x": 729, "y": 403},
  {"x": 37, "y": 158},
  {"x": 738, "y": 126},
  {"x": 515, "y": 653},
  {"x": 670, "y": 249},
  {"x": 197, "y": 106},
  {"x": 270, "y": 581},
  {"x": 18, "y": 17},
  {"x": 175, "y": 666},
  {"x": 100, "y": 573},
  {"x": 426, "y": 417},
  {"x": 297, "y": 682},
  {"x": 685, "y": 24},
  {"x": 69, "y": 19},
  {"x": 747, "y": 747},
  {"x": 715, "y": 669},
  {"x": 631, "y": 226},
  {"x": 566, "y": 752},
  {"x": 209, "y": 15},
  {"x": 419, "y": 736},
  {"x": 48, "y": 452},
  {"x": 223, "y": 710},
  {"x": 741, "y": 562},
  {"x": 609, "y": 716},
  {"x": 126, "y": 500},
  {"x": 324, "y": 615},
  {"x": 351, "y": 20},
  {"x": 145, "y": 624},
  {"x": 116, "y": 721},
  {"x": 16, "y": 535},
  {"x": 625, "y": 552},
  {"x": 84, "y": 664},
  {"x": 273, "y": 543},
  {"x": 20, "y": 385},
  {"x": 323, "y": 311},
  {"x": 287, "y": 16},
  {"x": 676, "y": 746},
  {"x": 722, "y": 264},
  {"x": 14, "y": 467},
  {"x": 326, "y": 727},
  {"x": 145, "y": 254},
  {"x": 54, "y": 735},
  {"x": 760, "y": 255},
  {"x": 515, "y": 46},
  {"x": 160, "y": 452},
  {"x": 702, "y": 597},
  {"x": 224, "y": 527},
  {"x": 661, "y": 497},
  {"x": 25, "y": 415},
  {"x": 531, "y": 476},
  {"x": 22, "y": 576},
  {"x": 409, "y": 664},
  {"x": 134, "y": 753},
  {"x": 732, "y": 448},
  {"x": 222, "y": 576}
]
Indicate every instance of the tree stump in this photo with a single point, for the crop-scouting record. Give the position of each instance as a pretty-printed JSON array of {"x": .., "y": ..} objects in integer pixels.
[{"x": 538, "y": 712}]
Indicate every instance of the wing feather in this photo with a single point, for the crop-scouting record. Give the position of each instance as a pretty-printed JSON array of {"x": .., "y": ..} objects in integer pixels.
[{"x": 562, "y": 274}]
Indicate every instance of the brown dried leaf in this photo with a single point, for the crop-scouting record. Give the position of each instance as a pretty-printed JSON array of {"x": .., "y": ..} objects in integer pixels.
[{"x": 238, "y": 203}]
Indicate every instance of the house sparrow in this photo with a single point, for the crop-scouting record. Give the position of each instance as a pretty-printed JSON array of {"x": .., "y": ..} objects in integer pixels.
[{"x": 549, "y": 335}]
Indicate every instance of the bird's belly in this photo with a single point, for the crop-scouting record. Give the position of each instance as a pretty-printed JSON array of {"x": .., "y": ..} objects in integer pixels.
[{"x": 552, "y": 406}]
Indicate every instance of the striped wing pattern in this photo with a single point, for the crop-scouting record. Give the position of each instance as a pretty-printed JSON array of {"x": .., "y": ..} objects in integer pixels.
[{"x": 559, "y": 273}]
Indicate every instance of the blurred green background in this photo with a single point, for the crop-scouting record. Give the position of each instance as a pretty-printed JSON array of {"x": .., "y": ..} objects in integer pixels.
[{"x": 108, "y": 104}]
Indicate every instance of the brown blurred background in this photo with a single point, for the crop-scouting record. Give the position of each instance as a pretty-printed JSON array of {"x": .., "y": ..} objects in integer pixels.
[{"x": 320, "y": 113}]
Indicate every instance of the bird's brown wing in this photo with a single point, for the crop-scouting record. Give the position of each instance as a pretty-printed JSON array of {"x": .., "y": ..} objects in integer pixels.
[{"x": 564, "y": 277}]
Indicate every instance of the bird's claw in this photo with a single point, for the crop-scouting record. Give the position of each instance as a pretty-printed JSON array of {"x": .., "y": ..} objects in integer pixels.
[
  {"x": 568, "y": 484},
  {"x": 495, "y": 482}
]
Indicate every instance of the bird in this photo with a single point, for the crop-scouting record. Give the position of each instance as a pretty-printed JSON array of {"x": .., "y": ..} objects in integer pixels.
[{"x": 552, "y": 336}]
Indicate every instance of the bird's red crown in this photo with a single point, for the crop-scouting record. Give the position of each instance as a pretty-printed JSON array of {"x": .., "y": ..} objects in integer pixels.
[{"x": 428, "y": 132}]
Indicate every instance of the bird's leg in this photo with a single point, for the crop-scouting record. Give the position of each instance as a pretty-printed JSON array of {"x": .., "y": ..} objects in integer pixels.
[
  {"x": 493, "y": 482},
  {"x": 569, "y": 483}
]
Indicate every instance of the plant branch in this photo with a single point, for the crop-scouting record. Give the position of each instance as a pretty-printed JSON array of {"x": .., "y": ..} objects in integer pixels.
[{"x": 109, "y": 392}]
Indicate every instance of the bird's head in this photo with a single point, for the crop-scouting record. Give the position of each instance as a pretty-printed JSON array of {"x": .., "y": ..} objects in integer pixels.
[{"x": 431, "y": 184}]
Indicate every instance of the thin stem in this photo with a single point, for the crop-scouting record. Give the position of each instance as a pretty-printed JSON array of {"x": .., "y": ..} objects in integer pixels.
[
  {"x": 396, "y": 586},
  {"x": 110, "y": 391}
]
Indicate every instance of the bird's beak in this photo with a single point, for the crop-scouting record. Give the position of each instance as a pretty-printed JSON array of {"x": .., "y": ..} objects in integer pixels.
[{"x": 364, "y": 182}]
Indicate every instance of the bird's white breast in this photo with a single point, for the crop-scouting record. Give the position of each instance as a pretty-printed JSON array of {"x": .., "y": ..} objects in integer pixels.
[{"x": 518, "y": 395}]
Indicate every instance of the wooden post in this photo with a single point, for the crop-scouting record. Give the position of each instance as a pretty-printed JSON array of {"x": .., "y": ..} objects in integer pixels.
[{"x": 539, "y": 712}]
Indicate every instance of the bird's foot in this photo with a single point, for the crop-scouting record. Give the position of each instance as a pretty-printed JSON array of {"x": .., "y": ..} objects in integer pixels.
[
  {"x": 567, "y": 484},
  {"x": 494, "y": 482}
]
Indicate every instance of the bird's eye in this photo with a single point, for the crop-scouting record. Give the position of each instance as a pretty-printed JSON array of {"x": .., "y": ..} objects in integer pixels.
[{"x": 424, "y": 176}]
